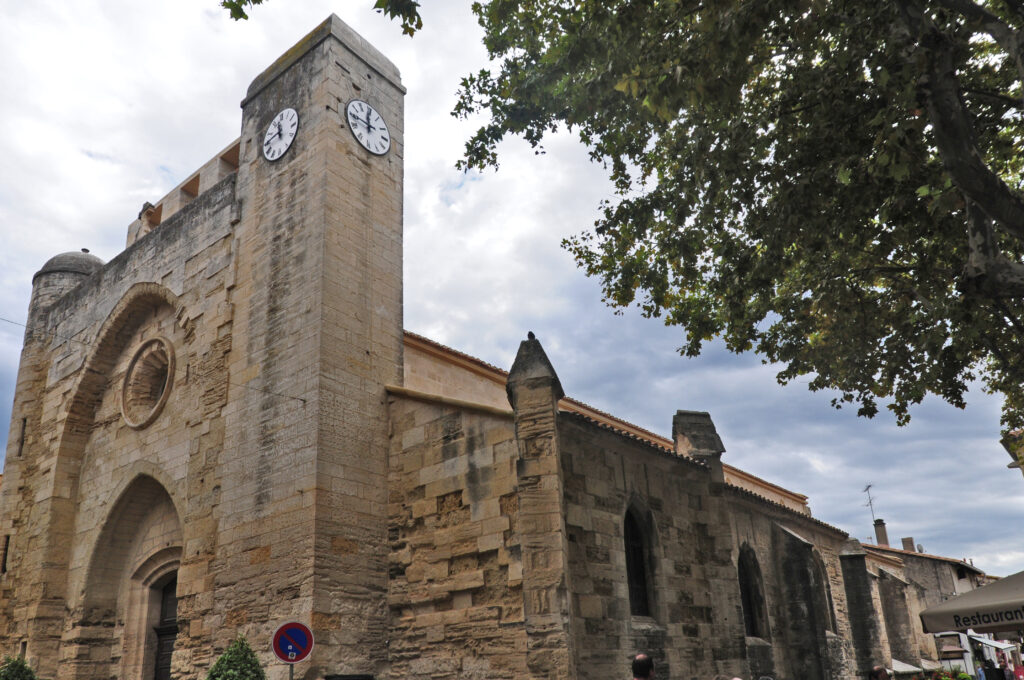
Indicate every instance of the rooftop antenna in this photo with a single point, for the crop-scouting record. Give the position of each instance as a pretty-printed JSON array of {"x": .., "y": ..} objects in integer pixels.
[{"x": 871, "y": 501}]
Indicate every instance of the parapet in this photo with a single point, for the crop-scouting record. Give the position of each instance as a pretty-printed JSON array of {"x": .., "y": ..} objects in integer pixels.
[{"x": 213, "y": 171}]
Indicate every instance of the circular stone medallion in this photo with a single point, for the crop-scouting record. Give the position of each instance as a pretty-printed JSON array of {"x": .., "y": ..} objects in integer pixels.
[{"x": 147, "y": 384}]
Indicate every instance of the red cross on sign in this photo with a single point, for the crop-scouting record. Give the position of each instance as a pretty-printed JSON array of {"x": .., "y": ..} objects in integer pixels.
[{"x": 293, "y": 642}]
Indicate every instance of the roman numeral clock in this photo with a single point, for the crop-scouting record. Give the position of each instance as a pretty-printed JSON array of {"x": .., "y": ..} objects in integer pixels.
[
  {"x": 280, "y": 134},
  {"x": 368, "y": 127}
]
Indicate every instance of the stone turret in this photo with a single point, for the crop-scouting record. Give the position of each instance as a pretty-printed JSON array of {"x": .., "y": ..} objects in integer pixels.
[{"x": 58, "y": 276}]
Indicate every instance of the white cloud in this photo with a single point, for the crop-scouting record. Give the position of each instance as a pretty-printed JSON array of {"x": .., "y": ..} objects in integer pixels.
[{"x": 109, "y": 104}]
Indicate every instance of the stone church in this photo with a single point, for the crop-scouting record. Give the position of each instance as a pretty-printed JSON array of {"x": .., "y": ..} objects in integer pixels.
[{"x": 225, "y": 428}]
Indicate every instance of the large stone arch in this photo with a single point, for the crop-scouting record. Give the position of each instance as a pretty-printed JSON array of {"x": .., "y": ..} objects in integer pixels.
[
  {"x": 88, "y": 626},
  {"x": 136, "y": 554},
  {"x": 94, "y": 379}
]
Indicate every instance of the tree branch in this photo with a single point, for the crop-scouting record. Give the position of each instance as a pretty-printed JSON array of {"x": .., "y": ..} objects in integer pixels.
[
  {"x": 981, "y": 242},
  {"x": 988, "y": 272},
  {"x": 996, "y": 96},
  {"x": 1010, "y": 316},
  {"x": 1002, "y": 33},
  {"x": 953, "y": 129}
]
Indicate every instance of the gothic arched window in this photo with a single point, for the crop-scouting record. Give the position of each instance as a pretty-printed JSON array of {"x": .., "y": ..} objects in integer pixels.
[
  {"x": 823, "y": 591},
  {"x": 755, "y": 620},
  {"x": 636, "y": 565}
]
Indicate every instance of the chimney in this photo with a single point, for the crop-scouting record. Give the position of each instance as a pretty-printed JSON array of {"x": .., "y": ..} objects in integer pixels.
[
  {"x": 908, "y": 543},
  {"x": 880, "y": 534},
  {"x": 695, "y": 435}
]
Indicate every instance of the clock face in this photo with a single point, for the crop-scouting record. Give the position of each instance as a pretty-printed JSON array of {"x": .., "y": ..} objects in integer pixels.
[
  {"x": 280, "y": 134},
  {"x": 368, "y": 127}
]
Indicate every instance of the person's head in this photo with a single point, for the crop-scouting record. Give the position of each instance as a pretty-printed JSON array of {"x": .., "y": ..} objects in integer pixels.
[
  {"x": 643, "y": 666},
  {"x": 878, "y": 673}
]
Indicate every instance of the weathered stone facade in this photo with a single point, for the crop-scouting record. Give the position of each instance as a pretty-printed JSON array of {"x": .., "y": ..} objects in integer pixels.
[{"x": 225, "y": 428}]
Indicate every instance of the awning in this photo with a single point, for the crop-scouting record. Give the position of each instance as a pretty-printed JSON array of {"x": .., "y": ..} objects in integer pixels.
[
  {"x": 995, "y": 607},
  {"x": 1001, "y": 646},
  {"x": 901, "y": 668}
]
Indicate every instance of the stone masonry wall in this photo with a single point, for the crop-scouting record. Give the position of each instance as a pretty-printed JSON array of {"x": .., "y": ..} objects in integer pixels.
[
  {"x": 279, "y": 290},
  {"x": 867, "y": 628},
  {"x": 455, "y": 587},
  {"x": 695, "y": 630},
  {"x": 78, "y": 455},
  {"x": 753, "y": 522}
]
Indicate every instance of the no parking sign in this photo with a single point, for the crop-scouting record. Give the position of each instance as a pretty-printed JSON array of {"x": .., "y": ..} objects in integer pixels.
[{"x": 293, "y": 642}]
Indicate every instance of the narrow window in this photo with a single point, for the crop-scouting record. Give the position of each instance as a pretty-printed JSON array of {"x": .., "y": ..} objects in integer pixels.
[
  {"x": 3, "y": 558},
  {"x": 755, "y": 621},
  {"x": 636, "y": 566},
  {"x": 21, "y": 438},
  {"x": 166, "y": 630}
]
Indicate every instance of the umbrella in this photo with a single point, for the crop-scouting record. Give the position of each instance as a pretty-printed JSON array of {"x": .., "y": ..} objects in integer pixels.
[{"x": 996, "y": 607}]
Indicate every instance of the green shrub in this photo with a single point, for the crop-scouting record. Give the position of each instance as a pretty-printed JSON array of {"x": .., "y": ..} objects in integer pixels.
[
  {"x": 15, "y": 669},
  {"x": 238, "y": 662}
]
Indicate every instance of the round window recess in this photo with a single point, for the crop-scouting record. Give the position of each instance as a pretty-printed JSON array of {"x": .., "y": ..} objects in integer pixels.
[{"x": 147, "y": 384}]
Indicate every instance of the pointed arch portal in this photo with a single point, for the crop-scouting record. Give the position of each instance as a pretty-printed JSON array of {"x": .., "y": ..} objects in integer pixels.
[{"x": 131, "y": 585}]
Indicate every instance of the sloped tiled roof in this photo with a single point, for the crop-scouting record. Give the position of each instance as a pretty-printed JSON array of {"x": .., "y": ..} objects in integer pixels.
[
  {"x": 913, "y": 553},
  {"x": 740, "y": 491},
  {"x": 608, "y": 421}
]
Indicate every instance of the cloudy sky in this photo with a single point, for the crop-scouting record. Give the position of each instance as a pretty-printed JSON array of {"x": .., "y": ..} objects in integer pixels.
[{"x": 107, "y": 104}]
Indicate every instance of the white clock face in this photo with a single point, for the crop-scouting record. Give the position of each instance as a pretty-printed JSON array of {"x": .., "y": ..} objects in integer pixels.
[
  {"x": 280, "y": 134},
  {"x": 368, "y": 127}
]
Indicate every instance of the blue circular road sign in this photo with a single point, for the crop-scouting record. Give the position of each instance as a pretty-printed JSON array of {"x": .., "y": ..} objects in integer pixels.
[{"x": 293, "y": 642}]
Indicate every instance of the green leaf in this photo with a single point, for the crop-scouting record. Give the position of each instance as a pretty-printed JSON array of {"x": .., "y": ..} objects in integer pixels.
[{"x": 769, "y": 162}]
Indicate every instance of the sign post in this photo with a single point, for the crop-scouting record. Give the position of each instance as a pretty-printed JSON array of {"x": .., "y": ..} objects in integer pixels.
[{"x": 293, "y": 642}]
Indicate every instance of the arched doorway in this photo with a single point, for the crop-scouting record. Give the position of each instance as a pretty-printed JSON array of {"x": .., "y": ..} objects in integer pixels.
[{"x": 131, "y": 586}]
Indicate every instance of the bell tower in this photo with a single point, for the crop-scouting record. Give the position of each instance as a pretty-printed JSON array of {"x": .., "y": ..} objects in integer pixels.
[{"x": 318, "y": 331}]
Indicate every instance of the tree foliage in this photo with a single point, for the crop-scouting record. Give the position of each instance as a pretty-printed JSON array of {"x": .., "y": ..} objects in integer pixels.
[
  {"x": 12, "y": 668},
  {"x": 238, "y": 662},
  {"x": 835, "y": 184},
  {"x": 406, "y": 11}
]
